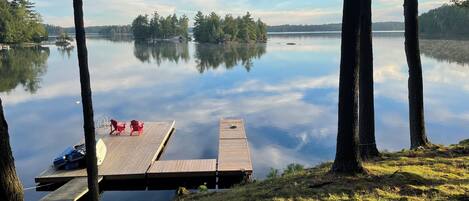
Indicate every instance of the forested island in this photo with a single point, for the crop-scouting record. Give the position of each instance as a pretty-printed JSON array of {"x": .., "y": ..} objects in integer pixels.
[
  {"x": 20, "y": 23},
  {"x": 214, "y": 29},
  {"x": 159, "y": 27}
]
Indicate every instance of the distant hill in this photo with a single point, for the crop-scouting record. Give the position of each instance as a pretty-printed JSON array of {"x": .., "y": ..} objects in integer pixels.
[
  {"x": 377, "y": 26},
  {"x": 445, "y": 20}
]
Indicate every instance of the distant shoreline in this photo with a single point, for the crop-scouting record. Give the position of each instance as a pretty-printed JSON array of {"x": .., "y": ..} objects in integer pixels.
[{"x": 324, "y": 32}]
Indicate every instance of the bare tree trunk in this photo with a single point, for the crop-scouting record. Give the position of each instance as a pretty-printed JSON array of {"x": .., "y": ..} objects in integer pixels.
[
  {"x": 347, "y": 158},
  {"x": 90, "y": 141},
  {"x": 416, "y": 109},
  {"x": 10, "y": 185},
  {"x": 366, "y": 101}
]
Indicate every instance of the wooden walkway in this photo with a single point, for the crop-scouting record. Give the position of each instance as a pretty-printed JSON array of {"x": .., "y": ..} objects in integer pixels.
[
  {"x": 71, "y": 191},
  {"x": 133, "y": 161},
  {"x": 183, "y": 168},
  {"x": 233, "y": 148}
]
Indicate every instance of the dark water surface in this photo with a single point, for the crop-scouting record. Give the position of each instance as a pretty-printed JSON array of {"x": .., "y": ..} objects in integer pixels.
[{"x": 286, "y": 93}]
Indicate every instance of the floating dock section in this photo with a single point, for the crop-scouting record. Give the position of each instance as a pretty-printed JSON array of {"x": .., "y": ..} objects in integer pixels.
[{"x": 132, "y": 163}]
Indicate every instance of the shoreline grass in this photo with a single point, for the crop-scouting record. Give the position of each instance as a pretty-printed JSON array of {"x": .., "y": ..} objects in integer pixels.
[{"x": 435, "y": 173}]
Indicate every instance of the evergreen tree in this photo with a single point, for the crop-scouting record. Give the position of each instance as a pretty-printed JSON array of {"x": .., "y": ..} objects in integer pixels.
[
  {"x": 347, "y": 158},
  {"x": 366, "y": 115},
  {"x": 418, "y": 135},
  {"x": 141, "y": 27},
  {"x": 19, "y": 22},
  {"x": 214, "y": 29}
]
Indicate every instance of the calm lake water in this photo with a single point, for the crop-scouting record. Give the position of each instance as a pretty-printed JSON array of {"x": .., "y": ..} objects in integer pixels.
[{"x": 286, "y": 93}]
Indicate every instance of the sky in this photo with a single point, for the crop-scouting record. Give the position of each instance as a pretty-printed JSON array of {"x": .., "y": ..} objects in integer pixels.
[{"x": 273, "y": 12}]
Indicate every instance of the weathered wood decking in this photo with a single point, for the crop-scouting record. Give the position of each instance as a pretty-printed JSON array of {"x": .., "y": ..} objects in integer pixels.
[
  {"x": 133, "y": 161},
  {"x": 233, "y": 148},
  {"x": 128, "y": 157},
  {"x": 71, "y": 191},
  {"x": 181, "y": 168}
]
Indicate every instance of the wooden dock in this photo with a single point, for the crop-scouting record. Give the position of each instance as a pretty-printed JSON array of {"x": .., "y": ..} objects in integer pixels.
[
  {"x": 132, "y": 163},
  {"x": 71, "y": 191},
  {"x": 128, "y": 157}
]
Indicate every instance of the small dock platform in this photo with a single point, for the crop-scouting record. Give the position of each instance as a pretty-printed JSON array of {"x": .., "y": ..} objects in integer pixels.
[{"x": 132, "y": 163}]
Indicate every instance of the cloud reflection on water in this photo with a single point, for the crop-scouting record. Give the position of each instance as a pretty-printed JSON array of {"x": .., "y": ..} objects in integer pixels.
[{"x": 288, "y": 98}]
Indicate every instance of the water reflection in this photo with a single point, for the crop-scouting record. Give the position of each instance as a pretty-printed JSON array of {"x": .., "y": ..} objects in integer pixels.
[
  {"x": 66, "y": 51},
  {"x": 211, "y": 56},
  {"x": 288, "y": 99},
  {"x": 22, "y": 66},
  {"x": 452, "y": 51},
  {"x": 161, "y": 51}
]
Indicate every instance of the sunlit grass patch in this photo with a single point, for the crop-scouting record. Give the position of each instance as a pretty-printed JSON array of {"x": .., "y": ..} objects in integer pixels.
[{"x": 435, "y": 173}]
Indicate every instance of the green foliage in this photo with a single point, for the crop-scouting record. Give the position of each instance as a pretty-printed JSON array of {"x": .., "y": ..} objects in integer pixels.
[
  {"x": 273, "y": 173},
  {"x": 293, "y": 169},
  {"x": 20, "y": 23},
  {"x": 22, "y": 66},
  {"x": 214, "y": 29},
  {"x": 448, "y": 19},
  {"x": 203, "y": 188},
  {"x": 159, "y": 27}
]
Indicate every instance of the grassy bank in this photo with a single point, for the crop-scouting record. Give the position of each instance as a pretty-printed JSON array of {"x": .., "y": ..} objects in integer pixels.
[{"x": 438, "y": 173}]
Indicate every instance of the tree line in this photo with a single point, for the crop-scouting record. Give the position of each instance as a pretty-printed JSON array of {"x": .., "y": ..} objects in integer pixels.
[
  {"x": 103, "y": 30},
  {"x": 214, "y": 29},
  {"x": 19, "y": 22},
  {"x": 446, "y": 20},
  {"x": 377, "y": 26},
  {"x": 159, "y": 27}
]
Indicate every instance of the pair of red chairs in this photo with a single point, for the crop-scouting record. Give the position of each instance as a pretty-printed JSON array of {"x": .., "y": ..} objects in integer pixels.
[{"x": 119, "y": 127}]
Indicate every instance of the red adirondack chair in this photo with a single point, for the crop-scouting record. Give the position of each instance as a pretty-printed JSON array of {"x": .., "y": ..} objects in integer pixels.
[
  {"x": 136, "y": 126},
  {"x": 117, "y": 127}
]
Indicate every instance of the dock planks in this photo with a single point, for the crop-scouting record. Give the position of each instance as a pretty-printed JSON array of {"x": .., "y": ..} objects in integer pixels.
[
  {"x": 71, "y": 191},
  {"x": 233, "y": 148},
  {"x": 128, "y": 157},
  {"x": 183, "y": 168}
]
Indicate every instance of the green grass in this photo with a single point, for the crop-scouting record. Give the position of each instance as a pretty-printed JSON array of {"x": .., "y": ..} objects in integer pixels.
[{"x": 436, "y": 173}]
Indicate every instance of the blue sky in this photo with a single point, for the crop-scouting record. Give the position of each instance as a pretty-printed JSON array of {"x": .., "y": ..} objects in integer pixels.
[{"x": 274, "y": 12}]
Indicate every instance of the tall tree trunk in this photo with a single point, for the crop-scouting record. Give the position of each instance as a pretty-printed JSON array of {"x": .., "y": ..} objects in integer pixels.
[
  {"x": 347, "y": 158},
  {"x": 366, "y": 101},
  {"x": 416, "y": 112},
  {"x": 10, "y": 185},
  {"x": 90, "y": 141}
]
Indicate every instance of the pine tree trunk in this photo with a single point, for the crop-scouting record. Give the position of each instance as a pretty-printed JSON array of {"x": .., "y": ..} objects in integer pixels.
[
  {"x": 347, "y": 158},
  {"x": 90, "y": 141},
  {"x": 10, "y": 185},
  {"x": 366, "y": 101},
  {"x": 416, "y": 109}
]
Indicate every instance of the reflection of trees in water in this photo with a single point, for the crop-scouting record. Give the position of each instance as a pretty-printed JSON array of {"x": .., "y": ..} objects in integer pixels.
[
  {"x": 22, "y": 66},
  {"x": 211, "y": 56},
  {"x": 66, "y": 51},
  {"x": 161, "y": 51},
  {"x": 447, "y": 50}
]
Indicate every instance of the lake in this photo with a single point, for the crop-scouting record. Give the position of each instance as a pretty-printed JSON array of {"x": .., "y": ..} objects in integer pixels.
[{"x": 287, "y": 95}]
